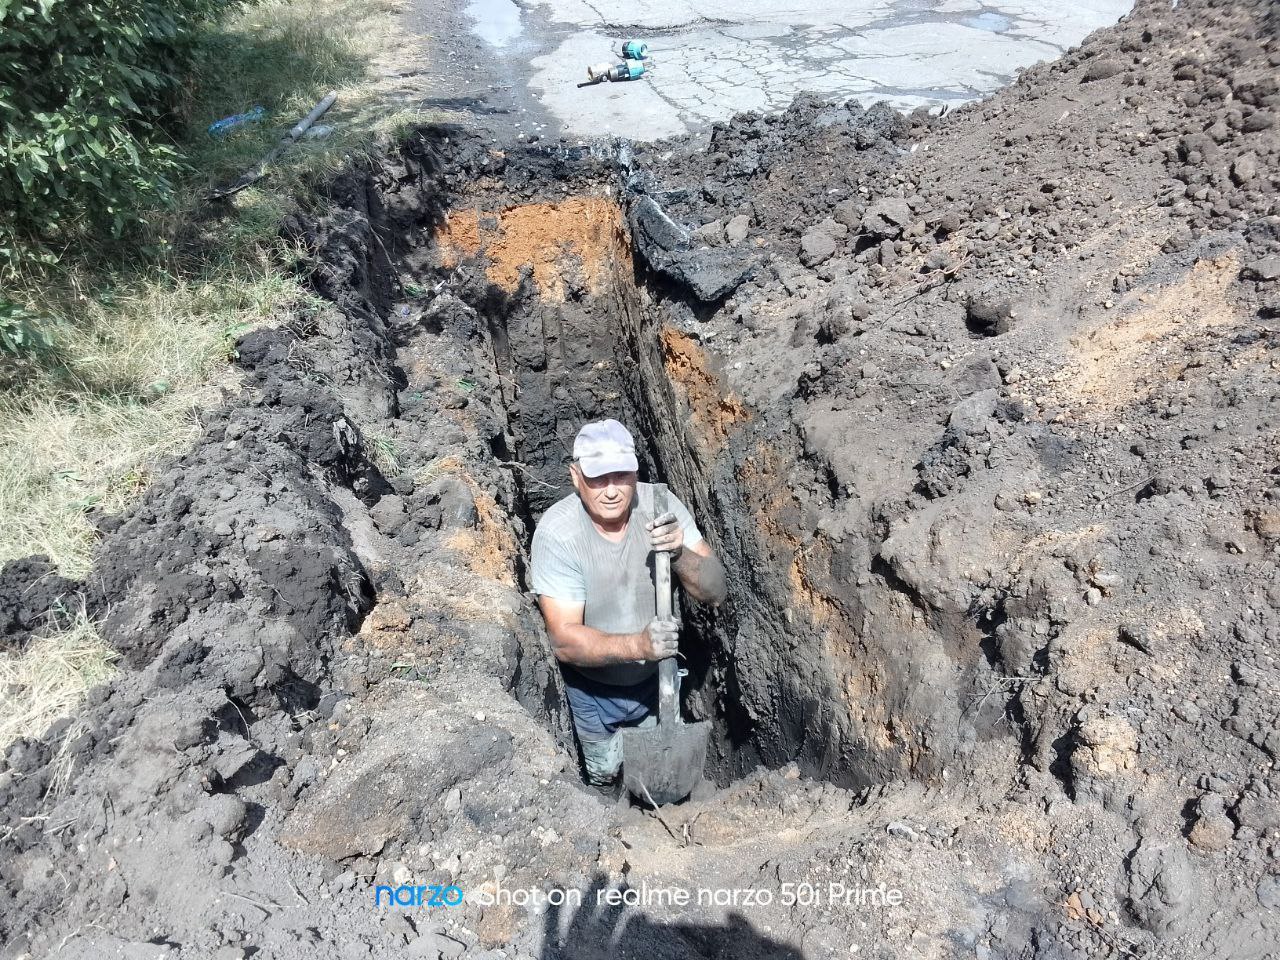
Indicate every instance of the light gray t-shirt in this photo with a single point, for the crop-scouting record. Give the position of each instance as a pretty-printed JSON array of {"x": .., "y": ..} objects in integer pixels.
[{"x": 573, "y": 562}]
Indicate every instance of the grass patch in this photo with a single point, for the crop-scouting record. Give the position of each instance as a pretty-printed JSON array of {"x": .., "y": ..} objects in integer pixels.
[
  {"x": 136, "y": 362},
  {"x": 386, "y": 454},
  {"x": 141, "y": 336},
  {"x": 284, "y": 55},
  {"x": 47, "y": 681}
]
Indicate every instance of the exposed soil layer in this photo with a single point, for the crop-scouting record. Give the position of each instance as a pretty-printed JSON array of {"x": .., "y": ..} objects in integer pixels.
[{"x": 979, "y": 412}]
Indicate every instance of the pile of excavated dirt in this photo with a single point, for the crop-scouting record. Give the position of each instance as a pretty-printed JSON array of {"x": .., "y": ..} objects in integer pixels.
[{"x": 980, "y": 413}]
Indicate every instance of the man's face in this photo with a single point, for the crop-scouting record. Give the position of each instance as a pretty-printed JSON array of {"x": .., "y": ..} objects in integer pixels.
[{"x": 607, "y": 498}]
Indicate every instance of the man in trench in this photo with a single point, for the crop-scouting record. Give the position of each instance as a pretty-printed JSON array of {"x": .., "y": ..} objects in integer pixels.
[{"x": 592, "y": 569}]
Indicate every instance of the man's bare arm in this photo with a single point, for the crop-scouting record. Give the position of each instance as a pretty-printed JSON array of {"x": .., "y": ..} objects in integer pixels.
[
  {"x": 574, "y": 642},
  {"x": 701, "y": 574}
]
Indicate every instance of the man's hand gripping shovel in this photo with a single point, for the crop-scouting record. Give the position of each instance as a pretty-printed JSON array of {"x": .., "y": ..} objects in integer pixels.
[{"x": 662, "y": 764}]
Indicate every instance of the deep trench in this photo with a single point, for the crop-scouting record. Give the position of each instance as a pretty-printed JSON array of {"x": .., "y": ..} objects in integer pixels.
[
  {"x": 565, "y": 363},
  {"x": 788, "y": 670}
]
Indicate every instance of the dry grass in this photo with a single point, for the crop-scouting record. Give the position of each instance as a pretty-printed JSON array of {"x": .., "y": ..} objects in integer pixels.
[
  {"x": 386, "y": 453},
  {"x": 47, "y": 682},
  {"x": 452, "y": 463},
  {"x": 137, "y": 359}
]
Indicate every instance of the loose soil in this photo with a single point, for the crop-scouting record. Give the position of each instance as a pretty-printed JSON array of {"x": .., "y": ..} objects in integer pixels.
[{"x": 980, "y": 413}]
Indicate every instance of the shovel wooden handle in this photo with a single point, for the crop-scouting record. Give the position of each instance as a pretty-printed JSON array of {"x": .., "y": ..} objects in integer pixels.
[{"x": 668, "y": 671}]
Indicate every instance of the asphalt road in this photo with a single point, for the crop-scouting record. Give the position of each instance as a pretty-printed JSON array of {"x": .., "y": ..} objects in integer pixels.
[{"x": 516, "y": 67}]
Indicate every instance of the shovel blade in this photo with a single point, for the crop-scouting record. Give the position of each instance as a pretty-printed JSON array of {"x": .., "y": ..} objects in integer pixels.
[{"x": 666, "y": 760}]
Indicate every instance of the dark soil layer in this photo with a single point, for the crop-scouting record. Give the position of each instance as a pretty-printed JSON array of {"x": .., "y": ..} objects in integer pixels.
[{"x": 979, "y": 412}]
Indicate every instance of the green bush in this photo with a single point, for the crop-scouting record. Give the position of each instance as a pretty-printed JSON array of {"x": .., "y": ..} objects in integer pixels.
[
  {"x": 23, "y": 339},
  {"x": 86, "y": 90}
]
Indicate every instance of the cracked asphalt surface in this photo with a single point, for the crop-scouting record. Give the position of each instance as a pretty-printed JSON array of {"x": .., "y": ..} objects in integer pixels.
[{"x": 516, "y": 67}]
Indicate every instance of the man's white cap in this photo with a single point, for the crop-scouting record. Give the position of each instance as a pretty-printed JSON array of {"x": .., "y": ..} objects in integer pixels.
[{"x": 605, "y": 447}]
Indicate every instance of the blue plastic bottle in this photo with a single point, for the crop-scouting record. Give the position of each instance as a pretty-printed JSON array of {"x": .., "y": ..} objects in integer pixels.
[{"x": 227, "y": 124}]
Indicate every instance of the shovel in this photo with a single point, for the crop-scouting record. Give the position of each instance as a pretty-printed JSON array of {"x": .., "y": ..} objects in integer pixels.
[{"x": 662, "y": 764}]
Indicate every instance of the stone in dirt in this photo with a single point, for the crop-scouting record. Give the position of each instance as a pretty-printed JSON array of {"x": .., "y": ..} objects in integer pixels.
[
  {"x": 1102, "y": 69},
  {"x": 652, "y": 228},
  {"x": 1106, "y": 747},
  {"x": 389, "y": 514},
  {"x": 973, "y": 414},
  {"x": 1268, "y": 893},
  {"x": 1265, "y": 270},
  {"x": 709, "y": 274},
  {"x": 1211, "y": 829},
  {"x": 821, "y": 241},
  {"x": 735, "y": 230},
  {"x": 712, "y": 233},
  {"x": 1161, "y": 886},
  {"x": 1245, "y": 168},
  {"x": 886, "y": 217},
  {"x": 1258, "y": 122},
  {"x": 848, "y": 212},
  {"x": 989, "y": 315}
]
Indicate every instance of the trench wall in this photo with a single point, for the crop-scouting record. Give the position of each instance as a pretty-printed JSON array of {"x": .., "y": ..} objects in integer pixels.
[{"x": 819, "y": 657}]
